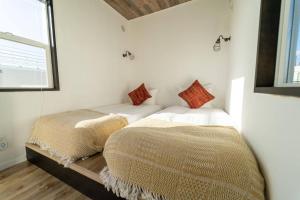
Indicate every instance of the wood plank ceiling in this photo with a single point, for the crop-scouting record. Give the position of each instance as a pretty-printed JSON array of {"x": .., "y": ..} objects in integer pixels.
[{"x": 131, "y": 9}]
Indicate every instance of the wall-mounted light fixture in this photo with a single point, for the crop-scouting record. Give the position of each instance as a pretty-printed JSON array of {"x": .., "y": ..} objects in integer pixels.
[
  {"x": 129, "y": 55},
  {"x": 217, "y": 45}
]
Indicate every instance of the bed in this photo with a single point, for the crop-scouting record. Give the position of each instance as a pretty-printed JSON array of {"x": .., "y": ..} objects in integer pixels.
[
  {"x": 131, "y": 112},
  {"x": 201, "y": 116},
  {"x": 83, "y": 175},
  {"x": 77, "y": 134},
  {"x": 181, "y": 153}
]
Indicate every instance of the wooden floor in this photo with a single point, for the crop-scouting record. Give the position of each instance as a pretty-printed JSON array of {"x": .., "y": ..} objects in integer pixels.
[{"x": 28, "y": 182}]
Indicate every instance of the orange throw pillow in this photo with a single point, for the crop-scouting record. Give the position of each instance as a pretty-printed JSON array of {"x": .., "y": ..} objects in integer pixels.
[
  {"x": 196, "y": 95},
  {"x": 139, "y": 95}
]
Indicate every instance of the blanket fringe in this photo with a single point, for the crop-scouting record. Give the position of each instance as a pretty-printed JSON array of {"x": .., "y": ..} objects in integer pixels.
[
  {"x": 126, "y": 190},
  {"x": 63, "y": 159}
]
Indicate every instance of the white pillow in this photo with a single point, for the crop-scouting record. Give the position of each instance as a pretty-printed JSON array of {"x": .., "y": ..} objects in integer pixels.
[
  {"x": 152, "y": 100},
  {"x": 209, "y": 104}
]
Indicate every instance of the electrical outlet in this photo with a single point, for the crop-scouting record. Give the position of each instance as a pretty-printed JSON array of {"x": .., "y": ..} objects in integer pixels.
[{"x": 3, "y": 144}]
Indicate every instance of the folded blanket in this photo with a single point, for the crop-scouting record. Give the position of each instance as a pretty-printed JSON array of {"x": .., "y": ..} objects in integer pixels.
[
  {"x": 179, "y": 162},
  {"x": 71, "y": 135}
]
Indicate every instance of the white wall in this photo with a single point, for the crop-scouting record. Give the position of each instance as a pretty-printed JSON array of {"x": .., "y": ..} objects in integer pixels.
[
  {"x": 174, "y": 47},
  {"x": 92, "y": 72},
  {"x": 269, "y": 123}
]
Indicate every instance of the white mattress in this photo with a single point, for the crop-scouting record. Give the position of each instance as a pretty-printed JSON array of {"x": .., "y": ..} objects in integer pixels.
[
  {"x": 201, "y": 116},
  {"x": 132, "y": 113}
]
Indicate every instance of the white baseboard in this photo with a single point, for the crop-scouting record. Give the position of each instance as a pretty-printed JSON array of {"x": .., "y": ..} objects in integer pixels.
[{"x": 12, "y": 162}]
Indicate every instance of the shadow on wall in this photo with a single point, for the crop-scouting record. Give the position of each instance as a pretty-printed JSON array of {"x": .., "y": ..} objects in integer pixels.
[
  {"x": 18, "y": 112},
  {"x": 236, "y": 101},
  {"x": 6, "y": 128}
]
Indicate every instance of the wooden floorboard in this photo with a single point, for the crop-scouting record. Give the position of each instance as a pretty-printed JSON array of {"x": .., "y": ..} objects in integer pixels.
[{"x": 26, "y": 181}]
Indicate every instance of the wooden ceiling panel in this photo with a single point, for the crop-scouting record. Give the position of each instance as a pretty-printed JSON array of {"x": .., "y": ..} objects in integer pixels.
[
  {"x": 162, "y": 4},
  {"x": 131, "y": 9}
]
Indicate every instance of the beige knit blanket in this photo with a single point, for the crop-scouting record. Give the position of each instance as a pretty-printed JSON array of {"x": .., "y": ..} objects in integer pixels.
[
  {"x": 161, "y": 160},
  {"x": 71, "y": 135}
]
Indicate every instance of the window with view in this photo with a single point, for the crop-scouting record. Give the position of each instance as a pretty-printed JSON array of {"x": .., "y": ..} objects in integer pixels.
[
  {"x": 27, "y": 46},
  {"x": 288, "y": 62}
]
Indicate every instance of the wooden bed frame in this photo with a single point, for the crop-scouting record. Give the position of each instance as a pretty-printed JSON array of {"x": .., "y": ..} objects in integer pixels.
[{"x": 82, "y": 175}]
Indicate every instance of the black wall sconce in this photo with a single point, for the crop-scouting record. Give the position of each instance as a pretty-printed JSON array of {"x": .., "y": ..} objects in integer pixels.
[
  {"x": 217, "y": 45},
  {"x": 129, "y": 55}
]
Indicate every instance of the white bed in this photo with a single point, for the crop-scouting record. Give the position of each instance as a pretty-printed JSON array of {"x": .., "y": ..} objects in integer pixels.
[
  {"x": 132, "y": 113},
  {"x": 201, "y": 116}
]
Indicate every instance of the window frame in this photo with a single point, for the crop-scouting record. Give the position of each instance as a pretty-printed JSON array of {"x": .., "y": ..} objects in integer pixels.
[
  {"x": 267, "y": 51},
  {"x": 49, "y": 50}
]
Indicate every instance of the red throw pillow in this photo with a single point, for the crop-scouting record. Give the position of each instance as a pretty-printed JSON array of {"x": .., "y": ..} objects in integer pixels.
[
  {"x": 139, "y": 95},
  {"x": 196, "y": 95}
]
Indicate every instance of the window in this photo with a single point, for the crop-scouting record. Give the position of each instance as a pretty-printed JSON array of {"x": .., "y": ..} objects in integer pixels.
[
  {"x": 278, "y": 55},
  {"x": 288, "y": 62},
  {"x": 27, "y": 46}
]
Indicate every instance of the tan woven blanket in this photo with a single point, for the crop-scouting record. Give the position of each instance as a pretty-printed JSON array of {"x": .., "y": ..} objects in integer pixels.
[
  {"x": 71, "y": 135},
  {"x": 162, "y": 160}
]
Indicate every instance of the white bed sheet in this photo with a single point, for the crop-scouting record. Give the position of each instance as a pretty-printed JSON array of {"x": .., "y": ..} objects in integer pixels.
[
  {"x": 201, "y": 116},
  {"x": 131, "y": 112}
]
